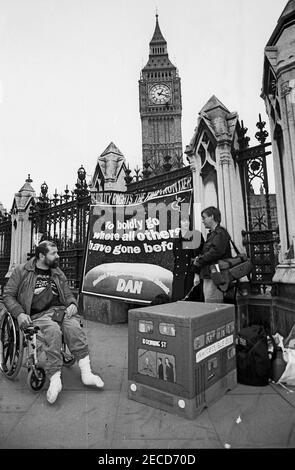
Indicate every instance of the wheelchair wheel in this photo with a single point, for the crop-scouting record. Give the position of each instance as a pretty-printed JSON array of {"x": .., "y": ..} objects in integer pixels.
[
  {"x": 12, "y": 347},
  {"x": 36, "y": 378}
]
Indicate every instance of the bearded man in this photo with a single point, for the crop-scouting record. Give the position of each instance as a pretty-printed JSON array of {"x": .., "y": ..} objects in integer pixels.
[{"x": 38, "y": 293}]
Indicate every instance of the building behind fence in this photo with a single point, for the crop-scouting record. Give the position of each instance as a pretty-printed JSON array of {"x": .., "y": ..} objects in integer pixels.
[{"x": 63, "y": 218}]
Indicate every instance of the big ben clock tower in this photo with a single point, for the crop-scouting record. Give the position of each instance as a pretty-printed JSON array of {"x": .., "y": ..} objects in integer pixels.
[{"x": 160, "y": 108}]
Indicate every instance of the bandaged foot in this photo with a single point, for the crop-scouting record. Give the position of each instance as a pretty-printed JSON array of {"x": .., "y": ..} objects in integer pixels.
[
  {"x": 55, "y": 387},
  {"x": 88, "y": 378}
]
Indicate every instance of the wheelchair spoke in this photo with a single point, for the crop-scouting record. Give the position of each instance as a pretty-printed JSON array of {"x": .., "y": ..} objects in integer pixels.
[{"x": 8, "y": 354}]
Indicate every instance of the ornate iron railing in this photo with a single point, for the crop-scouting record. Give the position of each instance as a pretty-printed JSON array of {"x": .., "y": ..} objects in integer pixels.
[
  {"x": 64, "y": 220},
  {"x": 150, "y": 183},
  {"x": 5, "y": 247}
]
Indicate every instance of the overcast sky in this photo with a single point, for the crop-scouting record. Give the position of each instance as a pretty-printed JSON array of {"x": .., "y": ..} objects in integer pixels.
[{"x": 69, "y": 72}]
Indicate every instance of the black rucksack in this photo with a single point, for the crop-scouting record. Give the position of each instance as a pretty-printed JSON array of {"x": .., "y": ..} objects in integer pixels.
[{"x": 254, "y": 359}]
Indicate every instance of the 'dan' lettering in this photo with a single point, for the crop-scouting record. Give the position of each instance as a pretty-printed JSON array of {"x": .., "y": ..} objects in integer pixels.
[{"x": 130, "y": 286}]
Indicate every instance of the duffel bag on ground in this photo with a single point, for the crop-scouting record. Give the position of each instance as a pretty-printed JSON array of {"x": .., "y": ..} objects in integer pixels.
[{"x": 254, "y": 359}]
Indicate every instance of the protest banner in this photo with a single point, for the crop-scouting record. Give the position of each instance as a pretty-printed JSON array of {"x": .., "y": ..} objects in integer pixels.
[{"x": 129, "y": 253}]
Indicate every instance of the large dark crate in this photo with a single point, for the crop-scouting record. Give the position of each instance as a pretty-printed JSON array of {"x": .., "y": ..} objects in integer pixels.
[{"x": 198, "y": 339}]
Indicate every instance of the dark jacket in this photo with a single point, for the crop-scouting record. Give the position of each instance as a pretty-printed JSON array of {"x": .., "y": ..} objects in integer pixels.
[
  {"x": 183, "y": 277},
  {"x": 216, "y": 247},
  {"x": 169, "y": 372},
  {"x": 161, "y": 372},
  {"x": 19, "y": 290}
]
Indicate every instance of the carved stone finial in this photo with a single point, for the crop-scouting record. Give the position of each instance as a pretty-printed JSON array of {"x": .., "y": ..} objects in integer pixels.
[{"x": 29, "y": 180}]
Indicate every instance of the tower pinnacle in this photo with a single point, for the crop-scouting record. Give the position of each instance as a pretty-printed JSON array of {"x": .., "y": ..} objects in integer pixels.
[
  {"x": 289, "y": 8},
  {"x": 158, "y": 39}
]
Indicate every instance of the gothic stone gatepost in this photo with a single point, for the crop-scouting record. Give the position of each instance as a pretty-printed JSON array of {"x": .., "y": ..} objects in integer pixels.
[
  {"x": 216, "y": 177},
  {"x": 21, "y": 225},
  {"x": 278, "y": 92}
]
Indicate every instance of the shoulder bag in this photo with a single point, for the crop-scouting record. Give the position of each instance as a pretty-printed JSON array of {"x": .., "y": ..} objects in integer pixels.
[{"x": 227, "y": 270}]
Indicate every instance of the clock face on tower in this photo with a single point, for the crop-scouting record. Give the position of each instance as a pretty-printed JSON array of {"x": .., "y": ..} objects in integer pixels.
[{"x": 160, "y": 93}]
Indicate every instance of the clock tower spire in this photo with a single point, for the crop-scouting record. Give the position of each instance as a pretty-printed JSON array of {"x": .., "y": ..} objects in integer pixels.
[{"x": 160, "y": 107}]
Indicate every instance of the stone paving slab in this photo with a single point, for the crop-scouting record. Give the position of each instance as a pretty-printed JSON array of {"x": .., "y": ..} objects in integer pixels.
[
  {"x": 254, "y": 421},
  {"x": 9, "y": 421},
  {"x": 251, "y": 390},
  {"x": 140, "y": 423},
  {"x": 167, "y": 444},
  {"x": 15, "y": 399},
  {"x": 287, "y": 393},
  {"x": 70, "y": 423}
]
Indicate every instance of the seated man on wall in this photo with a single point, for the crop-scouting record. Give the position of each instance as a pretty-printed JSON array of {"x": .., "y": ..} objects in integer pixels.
[
  {"x": 216, "y": 247},
  {"x": 36, "y": 293}
]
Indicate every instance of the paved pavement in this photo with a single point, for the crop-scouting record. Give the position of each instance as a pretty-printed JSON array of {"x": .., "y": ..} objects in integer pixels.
[{"x": 85, "y": 418}]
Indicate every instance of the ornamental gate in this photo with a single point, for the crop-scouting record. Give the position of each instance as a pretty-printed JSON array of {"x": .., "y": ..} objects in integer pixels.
[{"x": 261, "y": 236}]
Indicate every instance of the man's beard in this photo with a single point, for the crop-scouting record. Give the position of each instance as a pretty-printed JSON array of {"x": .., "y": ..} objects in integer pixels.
[{"x": 51, "y": 264}]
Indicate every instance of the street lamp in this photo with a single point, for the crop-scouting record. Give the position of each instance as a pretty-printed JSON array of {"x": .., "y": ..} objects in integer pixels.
[
  {"x": 44, "y": 189},
  {"x": 81, "y": 173},
  {"x": 81, "y": 183}
]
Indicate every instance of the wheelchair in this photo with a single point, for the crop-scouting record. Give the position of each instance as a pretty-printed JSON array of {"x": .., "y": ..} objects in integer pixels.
[{"x": 13, "y": 344}]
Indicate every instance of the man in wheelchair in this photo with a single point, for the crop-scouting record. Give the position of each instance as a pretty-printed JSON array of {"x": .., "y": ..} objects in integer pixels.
[{"x": 37, "y": 294}]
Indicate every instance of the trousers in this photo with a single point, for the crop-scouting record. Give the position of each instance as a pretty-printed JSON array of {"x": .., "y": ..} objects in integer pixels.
[
  {"x": 211, "y": 293},
  {"x": 51, "y": 331}
]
